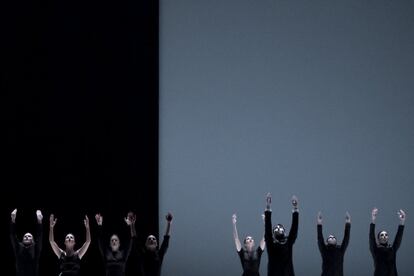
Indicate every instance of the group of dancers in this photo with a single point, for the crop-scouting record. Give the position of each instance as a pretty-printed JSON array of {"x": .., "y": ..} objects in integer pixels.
[
  {"x": 278, "y": 244},
  {"x": 27, "y": 252}
]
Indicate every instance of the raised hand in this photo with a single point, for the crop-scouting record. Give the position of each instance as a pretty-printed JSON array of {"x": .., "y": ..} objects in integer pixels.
[
  {"x": 169, "y": 217},
  {"x": 294, "y": 202},
  {"x": 52, "y": 221},
  {"x": 234, "y": 218},
  {"x": 374, "y": 214},
  {"x": 13, "y": 215},
  {"x": 401, "y": 215},
  {"x": 130, "y": 218},
  {"x": 268, "y": 200},
  {"x": 319, "y": 218},
  {"x": 86, "y": 222},
  {"x": 347, "y": 217},
  {"x": 39, "y": 216}
]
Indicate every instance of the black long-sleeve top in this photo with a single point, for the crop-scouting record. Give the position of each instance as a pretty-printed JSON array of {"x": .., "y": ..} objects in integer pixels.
[
  {"x": 27, "y": 257},
  {"x": 115, "y": 261},
  {"x": 151, "y": 261},
  {"x": 385, "y": 256},
  {"x": 280, "y": 262},
  {"x": 250, "y": 261},
  {"x": 333, "y": 255}
]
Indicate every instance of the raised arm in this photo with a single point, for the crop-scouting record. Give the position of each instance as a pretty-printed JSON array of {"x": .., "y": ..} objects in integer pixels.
[
  {"x": 13, "y": 237},
  {"x": 372, "y": 240},
  {"x": 39, "y": 233},
  {"x": 293, "y": 233},
  {"x": 268, "y": 221},
  {"x": 81, "y": 251},
  {"x": 262, "y": 243},
  {"x": 130, "y": 221},
  {"x": 398, "y": 236},
  {"x": 321, "y": 241},
  {"x": 166, "y": 240},
  {"x": 56, "y": 249},
  {"x": 235, "y": 234},
  {"x": 347, "y": 232},
  {"x": 101, "y": 244}
]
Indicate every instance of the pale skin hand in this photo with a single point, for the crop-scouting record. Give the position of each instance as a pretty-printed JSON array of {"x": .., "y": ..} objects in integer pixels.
[
  {"x": 130, "y": 221},
  {"x": 56, "y": 249},
  {"x": 39, "y": 216},
  {"x": 235, "y": 234},
  {"x": 295, "y": 203},
  {"x": 401, "y": 215},
  {"x": 319, "y": 218},
  {"x": 374, "y": 214},
  {"x": 268, "y": 201},
  {"x": 347, "y": 218},
  {"x": 262, "y": 241},
  {"x": 13, "y": 215}
]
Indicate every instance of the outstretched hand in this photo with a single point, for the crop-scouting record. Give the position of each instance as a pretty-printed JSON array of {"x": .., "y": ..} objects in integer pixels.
[
  {"x": 268, "y": 200},
  {"x": 234, "y": 218},
  {"x": 169, "y": 217},
  {"x": 347, "y": 217},
  {"x": 130, "y": 218},
  {"x": 294, "y": 202},
  {"x": 86, "y": 222},
  {"x": 13, "y": 215},
  {"x": 52, "y": 221},
  {"x": 401, "y": 215},
  {"x": 39, "y": 216},
  {"x": 319, "y": 218},
  {"x": 374, "y": 214}
]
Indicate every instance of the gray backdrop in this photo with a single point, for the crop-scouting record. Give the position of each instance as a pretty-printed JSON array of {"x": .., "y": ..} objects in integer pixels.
[{"x": 313, "y": 98}]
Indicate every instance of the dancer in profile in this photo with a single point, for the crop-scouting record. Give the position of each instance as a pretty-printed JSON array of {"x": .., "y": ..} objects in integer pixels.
[
  {"x": 151, "y": 256},
  {"x": 249, "y": 257},
  {"x": 69, "y": 258},
  {"x": 332, "y": 253},
  {"x": 115, "y": 257},
  {"x": 383, "y": 253},
  {"x": 27, "y": 252},
  {"x": 279, "y": 246}
]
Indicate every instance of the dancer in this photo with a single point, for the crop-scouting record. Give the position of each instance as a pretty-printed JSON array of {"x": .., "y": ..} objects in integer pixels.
[
  {"x": 27, "y": 252},
  {"x": 151, "y": 256},
  {"x": 69, "y": 258},
  {"x": 383, "y": 253},
  {"x": 332, "y": 253},
  {"x": 114, "y": 257},
  {"x": 249, "y": 257},
  {"x": 279, "y": 246}
]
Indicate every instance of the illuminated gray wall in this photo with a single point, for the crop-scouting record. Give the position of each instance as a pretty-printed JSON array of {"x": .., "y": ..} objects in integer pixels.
[{"x": 313, "y": 98}]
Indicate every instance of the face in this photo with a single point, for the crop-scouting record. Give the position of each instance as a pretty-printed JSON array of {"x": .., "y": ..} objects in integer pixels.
[
  {"x": 114, "y": 243},
  {"x": 70, "y": 241},
  {"x": 383, "y": 237},
  {"x": 279, "y": 231},
  {"x": 331, "y": 240},
  {"x": 151, "y": 243},
  {"x": 249, "y": 242},
  {"x": 28, "y": 239}
]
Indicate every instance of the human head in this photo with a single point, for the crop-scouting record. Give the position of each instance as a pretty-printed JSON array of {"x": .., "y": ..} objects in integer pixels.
[
  {"x": 70, "y": 241},
  {"x": 27, "y": 239},
  {"x": 383, "y": 237},
  {"x": 331, "y": 240},
  {"x": 151, "y": 243},
  {"x": 279, "y": 232},
  {"x": 248, "y": 243},
  {"x": 114, "y": 242}
]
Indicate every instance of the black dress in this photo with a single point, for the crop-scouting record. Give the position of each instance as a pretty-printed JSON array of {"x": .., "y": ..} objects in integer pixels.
[
  {"x": 115, "y": 261},
  {"x": 333, "y": 255},
  {"x": 69, "y": 265},
  {"x": 385, "y": 255},
  {"x": 27, "y": 257},
  {"x": 280, "y": 261},
  {"x": 151, "y": 261},
  {"x": 250, "y": 262}
]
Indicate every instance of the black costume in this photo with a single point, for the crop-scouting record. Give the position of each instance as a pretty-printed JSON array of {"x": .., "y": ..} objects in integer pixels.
[
  {"x": 115, "y": 261},
  {"x": 280, "y": 251},
  {"x": 151, "y": 261},
  {"x": 250, "y": 261},
  {"x": 69, "y": 265},
  {"x": 333, "y": 255},
  {"x": 385, "y": 255},
  {"x": 27, "y": 256}
]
